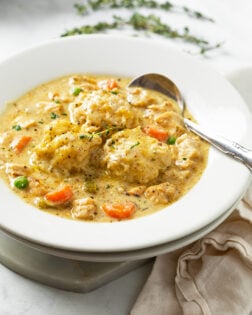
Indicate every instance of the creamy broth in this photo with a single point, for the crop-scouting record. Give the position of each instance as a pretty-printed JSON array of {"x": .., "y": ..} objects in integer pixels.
[{"x": 89, "y": 148}]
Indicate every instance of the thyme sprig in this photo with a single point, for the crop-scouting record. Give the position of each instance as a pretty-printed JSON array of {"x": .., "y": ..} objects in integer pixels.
[
  {"x": 151, "y": 24},
  {"x": 91, "y": 29},
  {"x": 196, "y": 14},
  {"x": 106, "y": 132},
  {"x": 95, "y": 5},
  {"x": 135, "y": 145}
]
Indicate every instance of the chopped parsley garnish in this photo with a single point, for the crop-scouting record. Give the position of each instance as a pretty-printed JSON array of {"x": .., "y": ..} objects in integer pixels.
[
  {"x": 107, "y": 131},
  {"x": 17, "y": 127},
  {"x": 114, "y": 92},
  {"x": 54, "y": 115},
  {"x": 135, "y": 145},
  {"x": 87, "y": 136}
]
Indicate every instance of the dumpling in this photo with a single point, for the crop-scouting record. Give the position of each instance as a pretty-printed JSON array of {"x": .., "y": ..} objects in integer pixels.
[
  {"x": 135, "y": 157},
  {"x": 64, "y": 150}
]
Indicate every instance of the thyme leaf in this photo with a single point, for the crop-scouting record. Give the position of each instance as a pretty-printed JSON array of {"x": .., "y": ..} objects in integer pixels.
[
  {"x": 17, "y": 127},
  {"x": 88, "y": 136},
  {"x": 210, "y": 47},
  {"x": 196, "y": 14},
  {"x": 107, "y": 131},
  {"x": 81, "y": 8},
  {"x": 135, "y": 145},
  {"x": 54, "y": 115},
  {"x": 91, "y": 29}
]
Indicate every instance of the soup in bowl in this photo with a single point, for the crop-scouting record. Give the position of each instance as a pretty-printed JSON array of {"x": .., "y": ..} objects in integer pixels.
[{"x": 89, "y": 148}]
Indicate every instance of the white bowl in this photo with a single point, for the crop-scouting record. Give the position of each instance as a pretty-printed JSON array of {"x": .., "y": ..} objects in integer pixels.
[
  {"x": 116, "y": 256},
  {"x": 210, "y": 98}
]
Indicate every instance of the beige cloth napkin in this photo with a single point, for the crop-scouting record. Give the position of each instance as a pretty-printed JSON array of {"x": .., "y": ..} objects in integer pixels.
[{"x": 212, "y": 276}]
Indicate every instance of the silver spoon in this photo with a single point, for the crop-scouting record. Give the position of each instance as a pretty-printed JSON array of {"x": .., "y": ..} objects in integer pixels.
[{"x": 165, "y": 86}]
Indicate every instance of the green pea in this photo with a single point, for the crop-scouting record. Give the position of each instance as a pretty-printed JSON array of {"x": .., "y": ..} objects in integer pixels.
[
  {"x": 171, "y": 140},
  {"x": 77, "y": 91},
  {"x": 21, "y": 182}
]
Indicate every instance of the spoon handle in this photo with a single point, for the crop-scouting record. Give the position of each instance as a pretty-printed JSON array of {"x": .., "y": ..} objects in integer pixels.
[{"x": 229, "y": 147}]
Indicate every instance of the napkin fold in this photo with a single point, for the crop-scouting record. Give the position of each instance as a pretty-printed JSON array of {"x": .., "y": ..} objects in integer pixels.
[{"x": 212, "y": 276}]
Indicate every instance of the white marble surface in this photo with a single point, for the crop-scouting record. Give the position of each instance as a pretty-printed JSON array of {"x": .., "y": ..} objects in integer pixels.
[{"x": 24, "y": 23}]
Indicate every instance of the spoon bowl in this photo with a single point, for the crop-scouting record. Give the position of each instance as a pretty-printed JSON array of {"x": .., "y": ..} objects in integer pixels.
[{"x": 166, "y": 86}]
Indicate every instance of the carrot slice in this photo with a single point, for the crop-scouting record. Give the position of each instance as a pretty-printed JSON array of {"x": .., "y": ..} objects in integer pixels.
[
  {"x": 119, "y": 210},
  {"x": 112, "y": 84},
  {"x": 109, "y": 84},
  {"x": 155, "y": 132},
  {"x": 60, "y": 197},
  {"x": 19, "y": 143}
]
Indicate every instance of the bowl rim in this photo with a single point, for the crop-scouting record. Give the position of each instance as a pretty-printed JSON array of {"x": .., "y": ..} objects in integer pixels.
[{"x": 157, "y": 228}]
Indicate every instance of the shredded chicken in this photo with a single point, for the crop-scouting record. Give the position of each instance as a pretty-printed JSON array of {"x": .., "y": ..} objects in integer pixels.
[
  {"x": 188, "y": 151},
  {"x": 171, "y": 121},
  {"x": 14, "y": 170},
  {"x": 137, "y": 191},
  {"x": 5, "y": 138},
  {"x": 49, "y": 107},
  {"x": 162, "y": 193},
  {"x": 84, "y": 208},
  {"x": 137, "y": 97}
]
